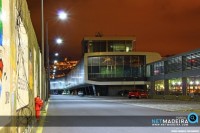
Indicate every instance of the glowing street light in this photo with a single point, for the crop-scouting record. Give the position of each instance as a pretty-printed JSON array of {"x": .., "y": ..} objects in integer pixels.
[
  {"x": 59, "y": 41},
  {"x": 55, "y": 61},
  {"x": 62, "y": 15}
]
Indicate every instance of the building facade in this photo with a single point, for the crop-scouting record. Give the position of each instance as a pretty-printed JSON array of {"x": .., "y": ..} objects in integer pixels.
[
  {"x": 109, "y": 65},
  {"x": 176, "y": 75}
]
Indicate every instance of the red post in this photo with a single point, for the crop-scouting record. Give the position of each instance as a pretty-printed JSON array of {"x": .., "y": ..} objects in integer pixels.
[{"x": 38, "y": 105}]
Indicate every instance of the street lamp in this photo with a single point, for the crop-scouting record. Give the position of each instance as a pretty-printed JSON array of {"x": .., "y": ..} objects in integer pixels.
[
  {"x": 55, "y": 61},
  {"x": 42, "y": 59},
  {"x": 56, "y": 54},
  {"x": 62, "y": 15},
  {"x": 59, "y": 41}
]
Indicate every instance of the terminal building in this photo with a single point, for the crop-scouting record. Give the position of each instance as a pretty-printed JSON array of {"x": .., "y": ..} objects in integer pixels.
[
  {"x": 109, "y": 64},
  {"x": 176, "y": 75}
]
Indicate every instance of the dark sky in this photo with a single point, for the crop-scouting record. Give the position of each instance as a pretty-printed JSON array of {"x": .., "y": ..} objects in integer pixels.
[{"x": 163, "y": 26}]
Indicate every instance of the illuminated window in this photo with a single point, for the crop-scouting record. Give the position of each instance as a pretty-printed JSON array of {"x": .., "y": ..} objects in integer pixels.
[
  {"x": 159, "y": 87},
  {"x": 175, "y": 86}
]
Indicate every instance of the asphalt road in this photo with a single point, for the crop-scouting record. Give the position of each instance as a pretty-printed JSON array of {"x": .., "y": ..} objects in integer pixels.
[{"x": 74, "y": 114}]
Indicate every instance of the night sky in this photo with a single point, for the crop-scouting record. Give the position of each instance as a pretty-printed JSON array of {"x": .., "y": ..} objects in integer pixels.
[{"x": 164, "y": 26}]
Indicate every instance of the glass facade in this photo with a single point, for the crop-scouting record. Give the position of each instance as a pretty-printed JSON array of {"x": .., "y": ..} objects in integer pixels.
[
  {"x": 97, "y": 46},
  {"x": 116, "y": 68},
  {"x": 158, "y": 68},
  {"x": 191, "y": 61},
  {"x": 173, "y": 64},
  {"x": 119, "y": 46},
  {"x": 109, "y": 46},
  {"x": 148, "y": 71},
  {"x": 181, "y": 74}
]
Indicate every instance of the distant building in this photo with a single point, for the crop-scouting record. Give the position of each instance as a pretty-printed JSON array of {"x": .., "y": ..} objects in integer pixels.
[
  {"x": 109, "y": 64},
  {"x": 176, "y": 75},
  {"x": 61, "y": 68}
]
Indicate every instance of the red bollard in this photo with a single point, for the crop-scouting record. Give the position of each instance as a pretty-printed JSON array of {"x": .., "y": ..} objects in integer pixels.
[{"x": 38, "y": 105}]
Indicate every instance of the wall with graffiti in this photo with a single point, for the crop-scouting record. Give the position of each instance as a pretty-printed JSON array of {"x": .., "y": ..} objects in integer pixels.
[
  {"x": 5, "y": 58},
  {"x": 20, "y": 61}
]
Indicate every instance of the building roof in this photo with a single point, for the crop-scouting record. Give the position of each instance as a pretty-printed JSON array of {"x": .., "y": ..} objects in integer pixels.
[
  {"x": 109, "y": 38},
  {"x": 177, "y": 55}
]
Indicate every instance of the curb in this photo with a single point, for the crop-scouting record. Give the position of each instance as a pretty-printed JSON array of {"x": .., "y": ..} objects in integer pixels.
[{"x": 39, "y": 128}]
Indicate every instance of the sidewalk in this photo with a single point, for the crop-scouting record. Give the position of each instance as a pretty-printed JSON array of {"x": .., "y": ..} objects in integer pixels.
[{"x": 39, "y": 124}]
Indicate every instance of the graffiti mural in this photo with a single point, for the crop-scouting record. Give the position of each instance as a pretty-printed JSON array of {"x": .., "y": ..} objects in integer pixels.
[
  {"x": 1, "y": 62},
  {"x": 1, "y": 25},
  {"x": 1, "y": 73},
  {"x": 22, "y": 65},
  {"x": 5, "y": 58}
]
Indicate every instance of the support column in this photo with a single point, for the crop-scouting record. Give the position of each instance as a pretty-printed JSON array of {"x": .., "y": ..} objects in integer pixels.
[
  {"x": 89, "y": 90},
  {"x": 184, "y": 86},
  {"x": 86, "y": 93},
  {"x": 166, "y": 86},
  {"x": 94, "y": 89},
  {"x": 152, "y": 91}
]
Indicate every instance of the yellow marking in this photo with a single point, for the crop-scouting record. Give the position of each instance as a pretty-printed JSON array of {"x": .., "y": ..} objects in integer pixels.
[{"x": 41, "y": 122}]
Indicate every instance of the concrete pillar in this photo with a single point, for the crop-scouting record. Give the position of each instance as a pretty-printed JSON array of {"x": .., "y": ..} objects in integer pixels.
[
  {"x": 184, "y": 86},
  {"x": 89, "y": 90},
  {"x": 86, "y": 93},
  {"x": 152, "y": 91},
  {"x": 94, "y": 89},
  {"x": 166, "y": 86}
]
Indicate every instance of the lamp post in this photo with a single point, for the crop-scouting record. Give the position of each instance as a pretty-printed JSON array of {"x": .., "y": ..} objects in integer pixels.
[
  {"x": 47, "y": 63},
  {"x": 42, "y": 59},
  {"x": 61, "y": 16}
]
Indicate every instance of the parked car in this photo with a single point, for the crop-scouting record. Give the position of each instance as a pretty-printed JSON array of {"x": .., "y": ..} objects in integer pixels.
[
  {"x": 80, "y": 93},
  {"x": 65, "y": 93},
  {"x": 138, "y": 94}
]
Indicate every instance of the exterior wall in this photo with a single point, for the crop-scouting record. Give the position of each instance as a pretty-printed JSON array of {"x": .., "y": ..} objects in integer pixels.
[
  {"x": 78, "y": 77},
  {"x": 152, "y": 57},
  {"x": 20, "y": 65},
  {"x": 149, "y": 57},
  {"x": 180, "y": 74}
]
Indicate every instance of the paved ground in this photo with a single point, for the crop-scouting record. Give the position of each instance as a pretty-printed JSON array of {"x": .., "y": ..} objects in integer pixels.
[
  {"x": 167, "y": 105},
  {"x": 73, "y": 114}
]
